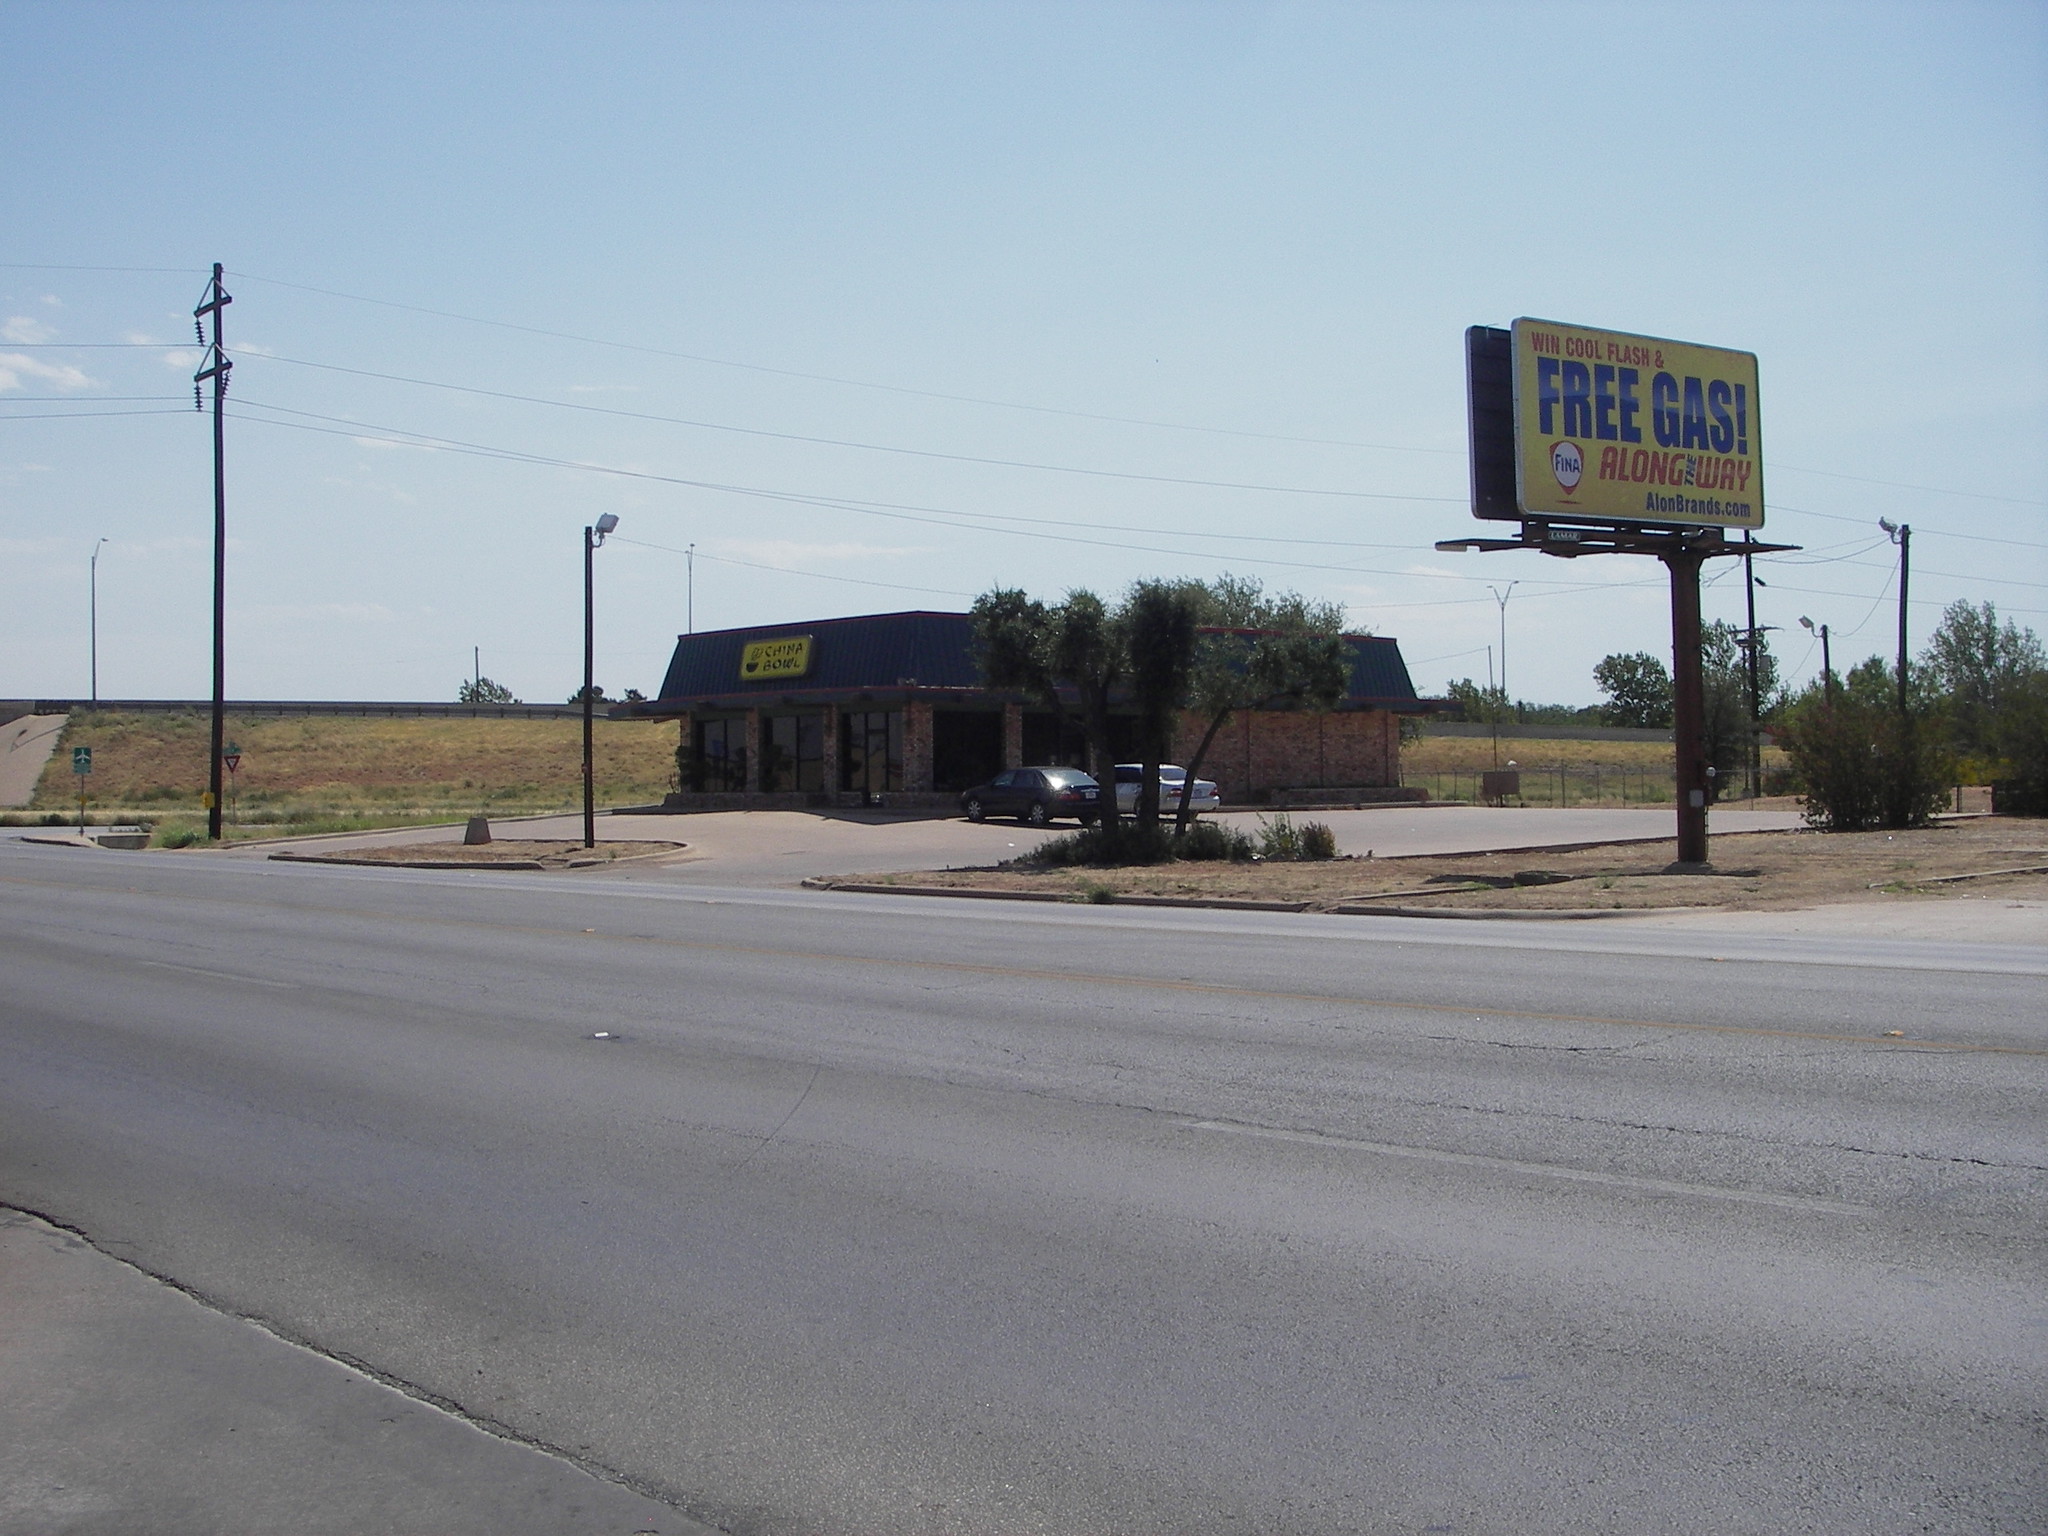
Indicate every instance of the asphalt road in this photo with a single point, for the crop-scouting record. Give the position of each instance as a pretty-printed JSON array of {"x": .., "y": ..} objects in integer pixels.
[{"x": 874, "y": 1214}]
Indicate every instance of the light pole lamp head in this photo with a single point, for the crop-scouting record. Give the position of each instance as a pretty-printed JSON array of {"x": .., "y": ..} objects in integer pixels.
[
  {"x": 1805, "y": 623},
  {"x": 1891, "y": 528},
  {"x": 606, "y": 522}
]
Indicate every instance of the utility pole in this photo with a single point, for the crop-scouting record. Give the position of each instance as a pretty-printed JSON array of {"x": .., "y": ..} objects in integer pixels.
[
  {"x": 476, "y": 669},
  {"x": 1901, "y": 535},
  {"x": 215, "y": 366},
  {"x": 593, "y": 535},
  {"x": 95, "y": 624},
  {"x": 690, "y": 590},
  {"x": 1753, "y": 647},
  {"x": 1827, "y": 661}
]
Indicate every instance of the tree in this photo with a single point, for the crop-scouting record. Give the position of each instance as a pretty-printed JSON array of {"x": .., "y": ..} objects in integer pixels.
[
  {"x": 1638, "y": 689},
  {"x": 1481, "y": 705},
  {"x": 1859, "y": 763},
  {"x": 596, "y": 692},
  {"x": 1724, "y": 689},
  {"x": 484, "y": 690},
  {"x": 1982, "y": 667},
  {"x": 1261, "y": 652},
  {"x": 1158, "y": 620},
  {"x": 1037, "y": 649}
]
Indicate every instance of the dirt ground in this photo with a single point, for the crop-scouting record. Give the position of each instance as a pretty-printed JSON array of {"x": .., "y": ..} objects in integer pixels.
[
  {"x": 1757, "y": 871},
  {"x": 549, "y": 855}
]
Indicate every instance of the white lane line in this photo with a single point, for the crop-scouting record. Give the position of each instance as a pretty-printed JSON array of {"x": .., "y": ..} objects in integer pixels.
[
  {"x": 200, "y": 970},
  {"x": 1546, "y": 1170}
]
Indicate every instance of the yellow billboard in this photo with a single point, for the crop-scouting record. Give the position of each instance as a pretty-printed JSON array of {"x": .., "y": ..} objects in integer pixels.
[
  {"x": 1635, "y": 428},
  {"x": 786, "y": 657}
]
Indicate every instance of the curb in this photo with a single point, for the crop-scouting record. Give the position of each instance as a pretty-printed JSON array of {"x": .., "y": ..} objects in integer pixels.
[
  {"x": 288, "y": 857},
  {"x": 1229, "y": 905}
]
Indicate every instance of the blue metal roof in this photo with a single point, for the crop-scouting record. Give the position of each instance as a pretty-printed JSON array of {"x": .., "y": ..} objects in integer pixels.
[{"x": 890, "y": 653}]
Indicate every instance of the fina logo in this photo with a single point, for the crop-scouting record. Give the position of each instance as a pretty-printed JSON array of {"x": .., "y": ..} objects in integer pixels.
[{"x": 1568, "y": 464}]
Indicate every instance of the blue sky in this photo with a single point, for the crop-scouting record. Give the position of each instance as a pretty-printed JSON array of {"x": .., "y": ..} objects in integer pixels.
[{"x": 881, "y": 305}]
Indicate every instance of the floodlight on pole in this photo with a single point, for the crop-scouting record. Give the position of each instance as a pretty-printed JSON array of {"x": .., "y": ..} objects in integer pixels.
[
  {"x": 593, "y": 536},
  {"x": 1827, "y": 666}
]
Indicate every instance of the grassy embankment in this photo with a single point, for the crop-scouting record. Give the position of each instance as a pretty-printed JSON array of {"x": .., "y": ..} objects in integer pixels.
[
  {"x": 1601, "y": 772},
  {"x": 325, "y": 773}
]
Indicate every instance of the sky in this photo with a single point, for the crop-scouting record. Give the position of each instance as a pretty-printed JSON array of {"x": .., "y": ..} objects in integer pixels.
[{"x": 879, "y": 306}]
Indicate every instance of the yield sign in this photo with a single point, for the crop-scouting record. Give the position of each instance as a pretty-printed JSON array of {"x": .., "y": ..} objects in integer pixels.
[{"x": 232, "y": 759}]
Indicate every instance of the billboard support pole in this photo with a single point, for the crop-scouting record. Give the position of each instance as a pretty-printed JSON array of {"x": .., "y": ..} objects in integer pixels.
[{"x": 1688, "y": 700}]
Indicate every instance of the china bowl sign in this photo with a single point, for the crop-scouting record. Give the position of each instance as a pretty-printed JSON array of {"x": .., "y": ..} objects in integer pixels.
[{"x": 1635, "y": 428}]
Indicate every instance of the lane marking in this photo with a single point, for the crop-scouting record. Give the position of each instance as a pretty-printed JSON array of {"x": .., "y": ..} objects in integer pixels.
[
  {"x": 1544, "y": 1170},
  {"x": 200, "y": 970},
  {"x": 1099, "y": 978}
]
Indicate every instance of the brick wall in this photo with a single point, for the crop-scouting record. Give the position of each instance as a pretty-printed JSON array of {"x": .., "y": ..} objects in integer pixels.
[{"x": 1288, "y": 749}]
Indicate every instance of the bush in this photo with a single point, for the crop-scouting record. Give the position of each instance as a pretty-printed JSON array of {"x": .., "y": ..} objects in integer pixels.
[
  {"x": 1281, "y": 841},
  {"x": 179, "y": 835},
  {"x": 1111, "y": 842},
  {"x": 1208, "y": 841},
  {"x": 1860, "y": 766}
]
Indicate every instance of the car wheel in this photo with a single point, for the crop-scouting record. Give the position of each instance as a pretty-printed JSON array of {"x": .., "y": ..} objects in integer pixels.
[
  {"x": 1089, "y": 819},
  {"x": 1037, "y": 814},
  {"x": 976, "y": 811}
]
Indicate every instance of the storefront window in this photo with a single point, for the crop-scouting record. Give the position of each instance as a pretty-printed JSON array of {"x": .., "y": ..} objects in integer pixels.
[
  {"x": 793, "y": 752},
  {"x": 871, "y": 750},
  {"x": 719, "y": 761}
]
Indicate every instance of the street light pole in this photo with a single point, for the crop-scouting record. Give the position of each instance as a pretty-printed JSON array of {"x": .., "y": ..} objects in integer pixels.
[
  {"x": 95, "y": 624},
  {"x": 593, "y": 535},
  {"x": 1502, "y": 598}
]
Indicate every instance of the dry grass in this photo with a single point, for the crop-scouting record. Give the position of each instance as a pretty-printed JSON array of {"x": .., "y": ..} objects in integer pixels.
[
  {"x": 306, "y": 770},
  {"x": 1760, "y": 870}
]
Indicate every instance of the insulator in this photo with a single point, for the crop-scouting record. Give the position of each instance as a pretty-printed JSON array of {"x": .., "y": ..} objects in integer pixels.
[{"x": 199, "y": 331}]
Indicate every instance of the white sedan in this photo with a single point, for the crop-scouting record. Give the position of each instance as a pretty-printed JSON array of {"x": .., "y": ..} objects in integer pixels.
[{"x": 1173, "y": 783}]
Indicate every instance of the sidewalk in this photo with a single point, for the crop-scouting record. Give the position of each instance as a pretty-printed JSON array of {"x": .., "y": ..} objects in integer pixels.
[{"x": 131, "y": 1408}]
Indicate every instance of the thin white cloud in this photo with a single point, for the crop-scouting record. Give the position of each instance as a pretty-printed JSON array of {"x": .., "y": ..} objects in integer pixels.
[
  {"x": 26, "y": 330},
  {"x": 53, "y": 301},
  {"x": 17, "y": 367},
  {"x": 182, "y": 360}
]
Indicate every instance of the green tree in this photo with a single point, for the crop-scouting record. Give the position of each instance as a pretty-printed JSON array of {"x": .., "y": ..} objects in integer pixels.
[
  {"x": 1261, "y": 651},
  {"x": 484, "y": 690},
  {"x": 1981, "y": 667},
  {"x": 1859, "y": 763},
  {"x": 1158, "y": 621},
  {"x": 1037, "y": 649},
  {"x": 1482, "y": 705},
  {"x": 1638, "y": 689}
]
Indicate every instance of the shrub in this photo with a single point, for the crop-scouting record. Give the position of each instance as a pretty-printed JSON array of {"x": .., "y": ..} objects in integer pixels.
[
  {"x": 1318, "y": 841},
  {"x": 1211, "y": 841},
  {"x": 179, "y": 835},
  {"x": 1112, "y": 842},
  {"x": 1861, "y": 766}
]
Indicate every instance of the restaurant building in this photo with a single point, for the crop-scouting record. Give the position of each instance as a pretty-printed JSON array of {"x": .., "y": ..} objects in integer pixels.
[{"x": 891, "y": 707}]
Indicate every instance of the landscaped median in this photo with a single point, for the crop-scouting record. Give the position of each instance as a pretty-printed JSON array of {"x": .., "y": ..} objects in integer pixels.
[{"x": 1979, "y": 856}]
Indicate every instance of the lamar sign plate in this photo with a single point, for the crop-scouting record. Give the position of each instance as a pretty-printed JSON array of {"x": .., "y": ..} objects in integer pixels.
[{"x": 1635, "y": 428}]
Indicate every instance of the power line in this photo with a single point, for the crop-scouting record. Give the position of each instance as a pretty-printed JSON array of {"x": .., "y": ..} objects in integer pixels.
[
  {"x": 837, "y": 442},
  {"x": 826, "y": 378},
  {"x": 940, "y": 517}
]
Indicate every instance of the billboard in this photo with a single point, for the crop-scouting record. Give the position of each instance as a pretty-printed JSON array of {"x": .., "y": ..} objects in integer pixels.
[{"x": 1633, "y": 428}]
